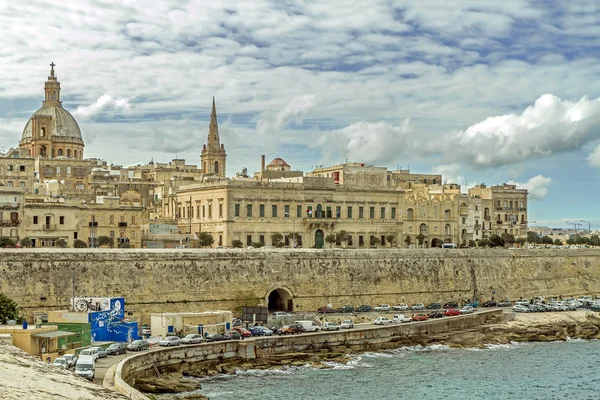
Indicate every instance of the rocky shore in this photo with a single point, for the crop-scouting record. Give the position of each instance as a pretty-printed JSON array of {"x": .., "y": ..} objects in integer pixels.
[{"x": 534, "y": 327}]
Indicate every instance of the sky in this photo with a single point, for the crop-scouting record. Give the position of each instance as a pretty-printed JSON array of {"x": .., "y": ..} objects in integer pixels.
[{"x": 480, "y": 91}]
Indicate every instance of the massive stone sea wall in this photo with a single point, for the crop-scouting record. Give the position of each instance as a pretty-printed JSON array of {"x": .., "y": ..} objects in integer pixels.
[{"x": 199, "y": 280}]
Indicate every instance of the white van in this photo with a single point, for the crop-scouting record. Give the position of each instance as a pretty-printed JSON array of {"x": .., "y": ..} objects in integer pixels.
[
  {"x": 86, "y": 367},
  {"x": 309, "y": 326}
]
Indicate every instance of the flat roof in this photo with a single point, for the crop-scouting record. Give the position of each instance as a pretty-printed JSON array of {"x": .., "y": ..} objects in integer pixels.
[{"x": 54, "y": 334}]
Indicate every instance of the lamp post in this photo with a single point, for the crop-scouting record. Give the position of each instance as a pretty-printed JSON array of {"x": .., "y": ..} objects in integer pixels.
[
  {"x": 589, "y": 226},
  {"x": 93, "y": 223},
  {"x": 575, "y": 224}
]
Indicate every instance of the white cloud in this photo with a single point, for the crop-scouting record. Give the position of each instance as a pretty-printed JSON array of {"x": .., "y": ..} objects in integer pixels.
[
  {"x": 453, "y": 173},
  {"x": 105, "y": 104},
  {"x": 536, "y": 186},
  {"x": 551, "y": 126},
  {"x": 594, "y": 157}
]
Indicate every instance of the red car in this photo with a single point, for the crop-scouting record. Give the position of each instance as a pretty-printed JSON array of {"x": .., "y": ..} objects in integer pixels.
[
  {"x": 243, "y": 331},
  {"x": 325, "y": 309},
  {"x": 420, "y": 317},
  {"x": 451, "y": 311}
]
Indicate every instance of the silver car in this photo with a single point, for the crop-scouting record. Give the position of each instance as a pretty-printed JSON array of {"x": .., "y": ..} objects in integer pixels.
[
  {"x": 101, "y": 351},
  {"x": 192, "y": 338},
  {"x": 170, "y": 341}
]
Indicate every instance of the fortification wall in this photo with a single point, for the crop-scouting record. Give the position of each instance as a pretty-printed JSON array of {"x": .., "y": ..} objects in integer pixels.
[{"x": 199, "y": 280}]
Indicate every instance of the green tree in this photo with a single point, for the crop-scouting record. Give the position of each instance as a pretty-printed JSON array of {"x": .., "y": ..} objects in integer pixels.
[
  {"x": 330, "y": 239},
  {"x": 8, "y": 309},
  {"x": 341, "y": 237},
  {"x": 508, "y": 238},
  {"x": 375, "y": 241},
  {"x": 547, "y": 240},
  {"x": 533, "y": 237},
  {"x": 205, "y": 239},
  {"x": 6, "y": 242},
  {"x": 79, "y": 244},
  {"x": 391, "y": 239},
  {"x": 237, "y": 244},
  {"x": 106, "y": 241},
  {"x": 257, "y": 245},
  {"x": 483, "y": 243},
  {"x": 125, "y": 245},
  {"x": 420, "y": 239},
  {"x": 62, "y": 243},
  {"x": 496, "y": 241},
  {"x": 472, "y": 243},
  {"x": 277, "y": 240},
  {"x": 407, "y": 240},
  {"x": 558, "y": 242},
  {"x": 25, "y": 242},
  {"x": 571, "y": 241}
]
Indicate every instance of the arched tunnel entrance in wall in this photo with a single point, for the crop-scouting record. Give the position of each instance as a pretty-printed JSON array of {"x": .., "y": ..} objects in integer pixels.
[{"x": 280, "y": 300}]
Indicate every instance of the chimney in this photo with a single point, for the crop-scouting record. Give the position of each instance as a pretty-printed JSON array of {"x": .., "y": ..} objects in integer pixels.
[{"x": 262, "y": 163}]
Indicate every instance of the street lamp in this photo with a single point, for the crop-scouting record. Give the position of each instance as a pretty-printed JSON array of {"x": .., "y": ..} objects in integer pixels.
[
  {"x": 92, "y": 223},
  {"x": 575, "y": 224},
  {"x": 589, "y": 225}
]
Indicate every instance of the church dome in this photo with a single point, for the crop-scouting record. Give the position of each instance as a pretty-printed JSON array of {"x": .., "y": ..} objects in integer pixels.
[
  {"x": 278, "y": 162},
  {"x": 63, "y": 123}
]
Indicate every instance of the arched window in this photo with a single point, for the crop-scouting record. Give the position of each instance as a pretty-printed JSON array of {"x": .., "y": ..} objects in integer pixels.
[
  {"x": 43, "y": 132},
  {"x": 410, "y": 214},
  {"x": 60, "y": 152},
  {"x": 216, "y": 167},
  {"x": 69, "y": 153},
  {"x": 486, "y": 213},
  {"x": 447, "y": 215},
  {"x": 423, "y": 229},
  {"x": 74, "y": 153},
  {"x": 464, "y": 232},
  {"x": 319, "y": 211},
  {"x": 447, "y": 229}
]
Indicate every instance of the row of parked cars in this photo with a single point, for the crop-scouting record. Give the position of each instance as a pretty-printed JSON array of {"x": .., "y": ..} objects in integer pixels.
[
  {"x": 402, "y": 307},
  {"x": 400, "y": 318}
]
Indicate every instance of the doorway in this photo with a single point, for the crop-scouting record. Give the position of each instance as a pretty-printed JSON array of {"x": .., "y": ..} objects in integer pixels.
[
  {"x": 319, "y": 239},
  {"x": 280, "y": 300}
]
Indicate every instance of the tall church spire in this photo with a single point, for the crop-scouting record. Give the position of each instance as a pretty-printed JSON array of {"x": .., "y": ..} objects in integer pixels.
[
  {"x": 213, "y": 154},
  {"x": 52, "y": 89}
]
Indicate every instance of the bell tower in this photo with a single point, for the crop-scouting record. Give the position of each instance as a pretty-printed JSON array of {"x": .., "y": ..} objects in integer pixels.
[{"x": 212, "y": 158}]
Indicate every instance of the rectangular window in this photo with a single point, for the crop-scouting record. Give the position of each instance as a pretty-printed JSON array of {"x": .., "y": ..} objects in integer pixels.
[
  {"x": 261, "y": 210},
  {"x": 122, "y": 218},
  {"x": 22, "y": 168},
  {"x": 248, "y": 240},
  {"x": 328, "y": 210},
  {"x": 197, "y": 211},
  {"x": 372, "y": 240},
  {"x": 349, "y": 211},
  {"x": 274, "y": 211},
  {"x": 61, "y": 220},
  {"x": 22, "y": 184},
  {"x": 350, "y": 240},
  {"x": 299, "y": 212},
  {"x": 133, "y": 234},
  {"x": 10, "y": 167},
  {"x": 9, "y": 184},
  {"x": 286, "y": 211},
  {"x": 393, "y": 212},
  {"x": 371, "y": 212},
  {"x": 261, "y": 239},
  {"x": 112, "y": 219},
  {"x": 249, "y": 210},
  {"x": 464, "y": 220},
  {"x": 237, "y": 210},
  {"x": 383, "y": 240},
  {"x": 360, "y": 212},
  {"x": 74, "y": 235},
  {"x": 309, "y": 211},
  {"x": 112, "y": 234},
  {"x": 382, "y": 213},
  {"x": 220, "y": 210},
  {"x": 361, "y": 241},
  {"x": 209, "y": 210},
  {"x": 338, "y": 211},
  {"x": 423, "y": 211},
  {"x": 35, "y": 220},
  {"x": 203, "y": 211}
]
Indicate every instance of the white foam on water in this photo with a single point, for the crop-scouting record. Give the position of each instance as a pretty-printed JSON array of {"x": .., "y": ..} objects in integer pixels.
[{"x": 577, "y": 340}]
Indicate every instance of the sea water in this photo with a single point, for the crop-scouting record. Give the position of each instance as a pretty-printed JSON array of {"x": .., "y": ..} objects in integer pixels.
[{"x": 545, "y": 371}]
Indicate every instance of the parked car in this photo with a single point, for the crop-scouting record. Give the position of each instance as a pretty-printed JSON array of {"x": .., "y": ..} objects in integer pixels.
[
  {"x": 325, "y": 310},
  {"x": 346, "y": 309},
  {"x": 473, "y": 304},
  {"x": 61, "y": 363},
  {"x": 216, "y": 337},
  {"x": 101, "y": 351},
  {"x": 309, "y": 326},
  {"x": 382, "y": 321},
  {"x": 400, "y": 307},
  {"x": 116, "y": 349},
  {"x": 504, "y": 303},
  {"x": 382, "y": 307},
  {"x": 420, "y": 317},
  {"x": 71, "y": 358},
  {"x": 490, "y": 303},
  {"x": 451, "y": 304},
  {"x": 401, "y": 318},
  {"x": 237, "y": 322},
  {"x": 86, "y": 367},
  {"x": 433, "y": 306},
  {"x": 467, "y": 310},
  {"x": 261, "y": 331},
  {"x": 138, "y": 345},
  {"x": 364, "y": 308},
  {"x": 235, "y": 335},
  {"x": 89, "y": 352},
  {"x": 330, "y": 326},
  {"x": 243, "y": 331},
  {"x": 521, "y": 308},
  {"x": 347, "y": 324},
  {"x": 170, "y": 341},
  {"x": 418, "y": 306},
  {"x": 436, "y": 314},
  {"x": 192, "y": 338},
  {"x": 451, "y": 311},
  {"x": 291, "y": 329},
  {"x": 281, "y": 314}
]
